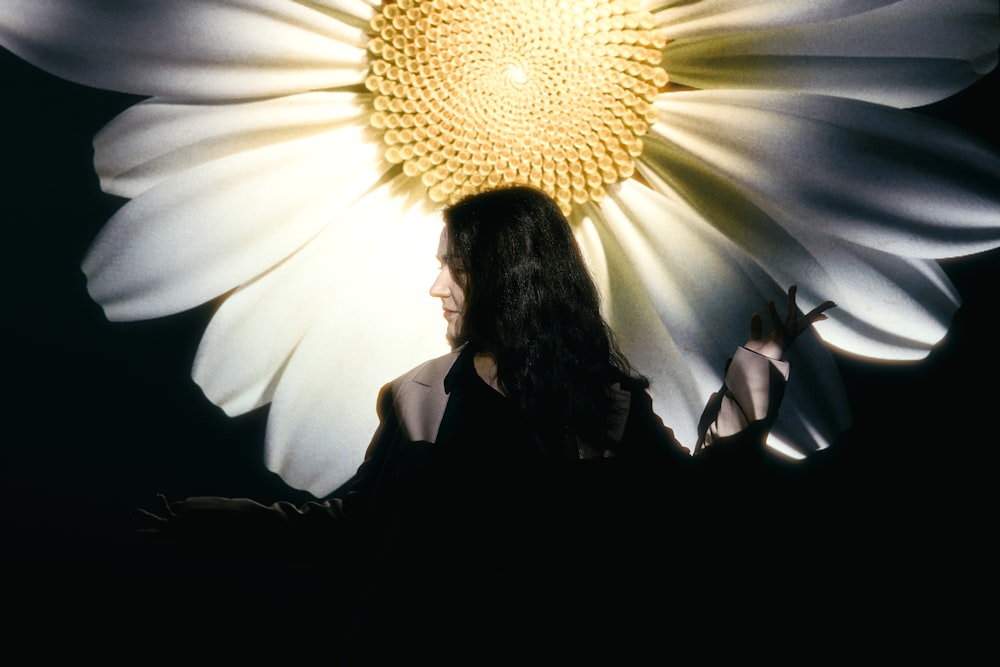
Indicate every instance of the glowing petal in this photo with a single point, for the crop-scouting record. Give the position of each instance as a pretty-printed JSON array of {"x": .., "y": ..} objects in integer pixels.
[
  {"x": 824, "y": 166},
  {"x": 895, "y": 307},
  {"x": 931, "y": 54},
  {"x": 200, "y": 234},
  {"x": 378, "y": 322},
  {"x": 890, "y": 307},
  {"x": 815, "y": 409},
  {"x": 157, "y": 139},
  {"x": 254, "y": 332},
  {"x": 641, "y": 331},
  {"x": 207, "y": 49},
  {"x": 703, "y": 18}
]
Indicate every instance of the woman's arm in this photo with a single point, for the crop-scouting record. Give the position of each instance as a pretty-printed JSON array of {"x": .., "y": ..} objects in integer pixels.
[{"x": 755, "y": 377}]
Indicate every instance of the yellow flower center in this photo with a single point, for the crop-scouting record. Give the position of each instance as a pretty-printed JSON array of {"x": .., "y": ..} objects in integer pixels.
[{"x": 470, "y": 94}]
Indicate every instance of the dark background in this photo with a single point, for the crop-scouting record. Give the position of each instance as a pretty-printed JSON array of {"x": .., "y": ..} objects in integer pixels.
[{"x": 98, "y": 417}]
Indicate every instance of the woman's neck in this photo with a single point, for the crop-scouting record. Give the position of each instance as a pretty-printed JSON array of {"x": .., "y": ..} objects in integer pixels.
[{"x": 486, "y": 368}]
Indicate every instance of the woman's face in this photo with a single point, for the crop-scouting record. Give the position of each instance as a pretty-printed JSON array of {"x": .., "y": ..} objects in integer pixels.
[{"x": 448, "y": 289}]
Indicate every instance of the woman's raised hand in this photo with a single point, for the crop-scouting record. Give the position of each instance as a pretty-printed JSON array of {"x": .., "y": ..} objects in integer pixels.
[{"x": 784, "y": 332}]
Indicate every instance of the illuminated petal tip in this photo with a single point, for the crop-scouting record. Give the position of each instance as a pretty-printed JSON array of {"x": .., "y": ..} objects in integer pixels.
[{"x": 557, "y": 94}]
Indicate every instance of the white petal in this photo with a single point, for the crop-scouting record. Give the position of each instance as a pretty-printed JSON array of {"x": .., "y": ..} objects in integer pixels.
[
  {"x": 679, "y": 287},
  {"x": 907, "y": 54},
  {"x": 679, "y": 392},
  {"x": 214, "y": 227},
  {"x": 356, "y": 12},
  {"x": 889, "y": 307},
  {"x": 815, "y": 409},
  {"x": 253, "y": 333},
  {"x": 158, "y": 139},
  {"x": 681, "y": 20},
  {"x": 190, "y": 49},
  {"x": 378, "y": 323},
  {"x": 891, "y": 180},
  {"x": 892, "y": 307}
]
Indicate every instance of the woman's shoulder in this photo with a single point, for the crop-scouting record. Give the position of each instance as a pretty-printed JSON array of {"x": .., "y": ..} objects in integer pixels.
[
  {"x": 420, "y": 395},
  {"x": 429, "y": 373}
]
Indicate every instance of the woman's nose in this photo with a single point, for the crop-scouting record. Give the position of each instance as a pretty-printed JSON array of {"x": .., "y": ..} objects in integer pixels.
[{"x": 440, "y": 287}]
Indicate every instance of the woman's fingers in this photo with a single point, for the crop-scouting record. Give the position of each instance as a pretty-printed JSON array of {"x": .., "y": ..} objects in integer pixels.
[
  {"x": 816, "y": 314},
  {"x": 792, "y": 309},
  {"x": 755, "y": 327}
]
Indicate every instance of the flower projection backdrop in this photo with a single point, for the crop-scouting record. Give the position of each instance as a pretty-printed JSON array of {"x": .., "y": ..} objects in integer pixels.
[{"x": 288, "y": 159}]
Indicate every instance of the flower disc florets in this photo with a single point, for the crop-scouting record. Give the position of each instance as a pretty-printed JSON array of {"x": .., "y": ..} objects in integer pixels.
[{"x": 472, "y": 94}]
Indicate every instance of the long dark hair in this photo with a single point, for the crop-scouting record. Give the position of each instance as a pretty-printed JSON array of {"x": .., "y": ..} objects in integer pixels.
[{"x": 532, "y": 305}]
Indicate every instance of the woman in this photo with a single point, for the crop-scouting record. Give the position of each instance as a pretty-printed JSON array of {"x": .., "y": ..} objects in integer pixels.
[{"x": 521, "y": 460}]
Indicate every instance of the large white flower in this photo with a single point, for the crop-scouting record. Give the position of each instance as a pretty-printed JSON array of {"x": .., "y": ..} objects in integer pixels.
[{"x": 290, "y": 158}]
